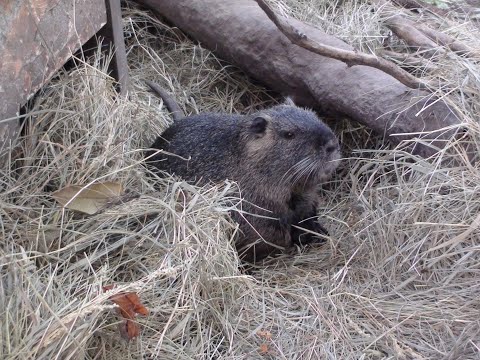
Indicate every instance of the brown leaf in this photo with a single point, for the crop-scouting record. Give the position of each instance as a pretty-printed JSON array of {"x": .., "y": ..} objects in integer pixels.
[
  {"x": 263, "y": 349},
  {"x": 265, "y": 334},
  {"x": 88, "y": 199},
  {"x": 129, "y": 305},
  {"x": 129, "y": 329},
  {"x": 138, "y": 308}
]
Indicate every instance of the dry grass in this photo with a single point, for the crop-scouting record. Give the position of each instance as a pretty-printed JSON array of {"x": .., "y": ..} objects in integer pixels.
[{"x": 397, "y": 280}]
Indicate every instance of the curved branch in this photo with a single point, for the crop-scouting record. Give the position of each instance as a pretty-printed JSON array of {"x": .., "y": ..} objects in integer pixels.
[{"x": 351, "y": 58}]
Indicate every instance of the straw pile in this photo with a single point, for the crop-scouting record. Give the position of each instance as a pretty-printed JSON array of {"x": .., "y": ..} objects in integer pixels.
[{"x": 397, "y": 279}]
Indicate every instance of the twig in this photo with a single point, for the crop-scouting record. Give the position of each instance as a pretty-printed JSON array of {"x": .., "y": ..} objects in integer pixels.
[{"x": 351, "y": 58}]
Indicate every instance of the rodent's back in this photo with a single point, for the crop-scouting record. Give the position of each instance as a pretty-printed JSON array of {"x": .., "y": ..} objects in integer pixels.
[{"x": 205, "y": 147}]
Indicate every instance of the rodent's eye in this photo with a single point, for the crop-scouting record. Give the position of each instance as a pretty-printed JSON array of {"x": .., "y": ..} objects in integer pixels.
[{"x": 288, "y": 134}]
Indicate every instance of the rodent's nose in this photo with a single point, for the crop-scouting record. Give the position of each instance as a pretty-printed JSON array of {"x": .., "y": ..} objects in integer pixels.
[
  {"x": 332, "y": 147},
  {"x": 326, "y": 140}
]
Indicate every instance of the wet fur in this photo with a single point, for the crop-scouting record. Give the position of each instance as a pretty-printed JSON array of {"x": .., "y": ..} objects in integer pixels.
[{"x": 275, "y": 180}]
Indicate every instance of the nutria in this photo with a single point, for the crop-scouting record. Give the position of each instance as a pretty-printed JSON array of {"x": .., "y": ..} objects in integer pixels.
[{"x": 278, "y": 157}]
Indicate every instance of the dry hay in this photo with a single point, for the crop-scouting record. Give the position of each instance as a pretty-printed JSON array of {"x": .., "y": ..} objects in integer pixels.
[{"x": 396, "y": 280}]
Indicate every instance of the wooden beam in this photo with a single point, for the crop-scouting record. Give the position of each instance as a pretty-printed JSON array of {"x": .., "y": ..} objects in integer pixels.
[{"x": 36, "y": 38}]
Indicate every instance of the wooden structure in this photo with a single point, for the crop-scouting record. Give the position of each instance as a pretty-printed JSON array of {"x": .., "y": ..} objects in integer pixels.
[{"x": 36, "y": 38}]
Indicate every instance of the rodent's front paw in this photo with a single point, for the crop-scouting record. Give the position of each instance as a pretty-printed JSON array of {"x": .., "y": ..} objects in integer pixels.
[{"x": 302, "y": 237}]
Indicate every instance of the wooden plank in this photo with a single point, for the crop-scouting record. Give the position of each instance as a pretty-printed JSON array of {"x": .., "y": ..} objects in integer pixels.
[{"x": 36, "y": 38}]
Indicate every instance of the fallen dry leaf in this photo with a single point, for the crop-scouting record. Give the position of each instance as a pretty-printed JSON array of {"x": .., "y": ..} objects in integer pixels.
[
  {"x": 264, "y": 334},
  {"x": 129, "y": 329},
  {"x": 88, "y": 199},
  {"x": 129, "y": 305},
  {"x": 263, "y": 349}
]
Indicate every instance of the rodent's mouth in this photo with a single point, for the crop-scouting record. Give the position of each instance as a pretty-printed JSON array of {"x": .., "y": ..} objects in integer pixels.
[
  {"x": 312, "y": 169},
  {"x": 335, "y": 156},
  {"x": 326, "y": 170},
  {"x": 335, "y": 160}
]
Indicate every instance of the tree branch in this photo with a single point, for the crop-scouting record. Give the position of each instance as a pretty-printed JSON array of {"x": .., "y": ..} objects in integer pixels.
[{"x": 351, "y": 58}]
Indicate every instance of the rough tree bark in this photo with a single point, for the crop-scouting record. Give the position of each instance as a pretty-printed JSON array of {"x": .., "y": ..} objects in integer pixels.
[{"x": 241, "y": 33}]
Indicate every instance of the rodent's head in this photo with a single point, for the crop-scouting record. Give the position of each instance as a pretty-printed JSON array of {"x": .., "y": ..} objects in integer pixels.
[{"x": 292, "y": 144}]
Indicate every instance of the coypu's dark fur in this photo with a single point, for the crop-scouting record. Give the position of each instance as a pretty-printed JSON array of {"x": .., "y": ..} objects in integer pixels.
[{"x": 278, "y": 157}]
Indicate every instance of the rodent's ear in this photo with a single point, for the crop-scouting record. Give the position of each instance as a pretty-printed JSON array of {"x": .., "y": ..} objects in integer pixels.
[{"x": 259, "y": 125}]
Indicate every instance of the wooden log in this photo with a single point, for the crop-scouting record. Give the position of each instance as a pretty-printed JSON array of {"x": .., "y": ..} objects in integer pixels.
[
  {"x": 241, "y": 33},
  {"x": 419, "y": 36},
  {"x": 36, "y": 38}
]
